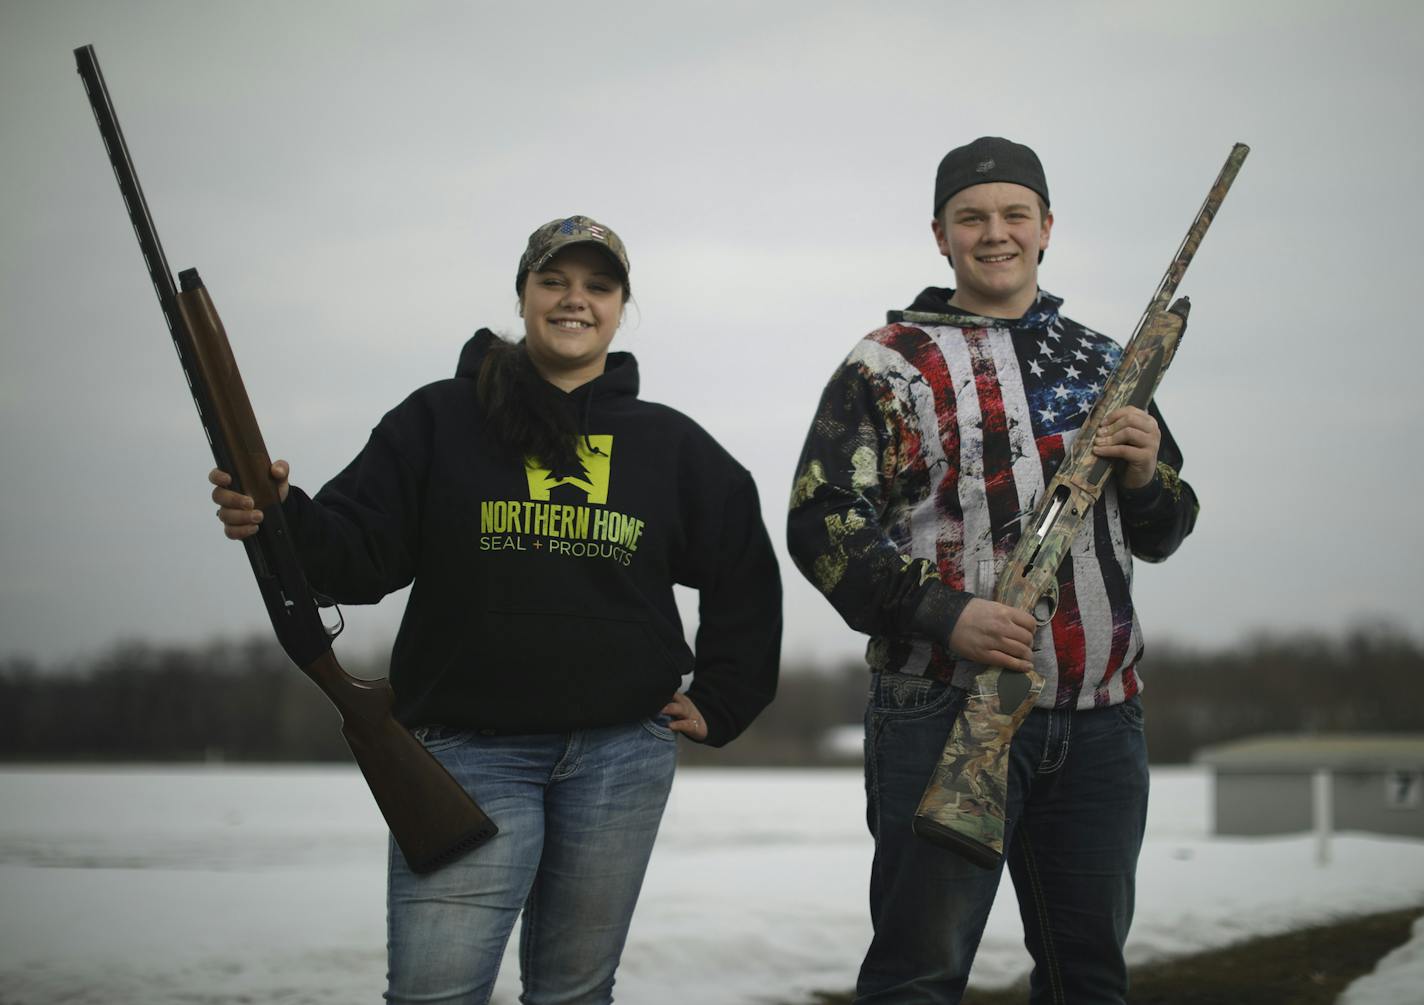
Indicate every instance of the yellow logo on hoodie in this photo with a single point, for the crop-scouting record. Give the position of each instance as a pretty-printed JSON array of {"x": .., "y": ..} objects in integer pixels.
[
  {"x": 557, "y": 528},
  {"x": 596, "y": 464}
]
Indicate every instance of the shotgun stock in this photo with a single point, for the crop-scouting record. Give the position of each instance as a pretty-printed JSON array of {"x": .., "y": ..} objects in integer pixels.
[
  {"x": 963, "y": 805},
  {"x": 431, "y": 818}
]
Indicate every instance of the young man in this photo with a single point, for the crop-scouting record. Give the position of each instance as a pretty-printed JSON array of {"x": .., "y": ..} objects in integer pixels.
[{"x": 930, "y": 443}]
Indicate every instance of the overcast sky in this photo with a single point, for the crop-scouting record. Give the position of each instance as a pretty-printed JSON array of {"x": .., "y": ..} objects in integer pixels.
[{"x": 357, "y": 180}]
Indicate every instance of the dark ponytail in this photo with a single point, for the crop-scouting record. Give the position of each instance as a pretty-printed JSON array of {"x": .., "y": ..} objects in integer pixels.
[{"x": 528, "y": 416}]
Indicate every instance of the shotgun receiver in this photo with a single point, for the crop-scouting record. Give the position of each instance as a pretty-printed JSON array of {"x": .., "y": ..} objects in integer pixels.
[
  {"x": 431, "y": 818},
  {"x": 963, "y": 806}
]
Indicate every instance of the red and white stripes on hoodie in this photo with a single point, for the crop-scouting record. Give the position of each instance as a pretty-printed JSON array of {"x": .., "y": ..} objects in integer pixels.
[{"x": 932, "y": 440}]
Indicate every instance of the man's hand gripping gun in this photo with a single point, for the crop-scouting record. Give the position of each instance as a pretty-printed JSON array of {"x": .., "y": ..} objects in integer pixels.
[
  {"x": 430, "y": 816},
  {"x": 963, "y": 806}
]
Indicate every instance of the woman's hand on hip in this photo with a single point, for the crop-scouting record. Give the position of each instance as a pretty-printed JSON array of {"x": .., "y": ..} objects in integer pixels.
[{"x": 686, "y": 719}]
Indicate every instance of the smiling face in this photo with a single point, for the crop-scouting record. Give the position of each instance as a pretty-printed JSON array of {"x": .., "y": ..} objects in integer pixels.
[
  {"x": 571, "y": 310},
  {"x": 993, "y": 234}
]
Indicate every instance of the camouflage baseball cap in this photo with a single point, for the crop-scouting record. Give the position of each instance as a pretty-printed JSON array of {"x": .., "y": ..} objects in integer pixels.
[{"x": 556, "y": 235}]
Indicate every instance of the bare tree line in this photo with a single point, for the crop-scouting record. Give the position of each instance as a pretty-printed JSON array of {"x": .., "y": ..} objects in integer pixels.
[{"x": 243, "y": 701}]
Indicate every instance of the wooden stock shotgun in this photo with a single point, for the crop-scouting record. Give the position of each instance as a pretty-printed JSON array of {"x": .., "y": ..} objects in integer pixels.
[
  {"x": 963, "y": 806},
  {"x": 431, "y": 818}
]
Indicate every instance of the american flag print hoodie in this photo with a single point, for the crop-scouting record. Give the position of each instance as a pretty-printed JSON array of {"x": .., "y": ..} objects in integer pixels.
[{"x": 930, "y": 444}]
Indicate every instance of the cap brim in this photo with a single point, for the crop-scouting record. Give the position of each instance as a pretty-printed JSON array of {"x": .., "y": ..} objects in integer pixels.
[{"x": 552, "y": 253}]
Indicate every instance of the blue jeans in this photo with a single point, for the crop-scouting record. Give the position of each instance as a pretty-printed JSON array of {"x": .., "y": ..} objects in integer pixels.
[
  {"x": 577, "y": 814},
  {"x": 1074, "y": 824}
]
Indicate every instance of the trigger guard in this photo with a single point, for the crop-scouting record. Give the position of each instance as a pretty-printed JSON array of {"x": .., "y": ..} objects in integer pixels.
[{"x": 1046, "y": 606}]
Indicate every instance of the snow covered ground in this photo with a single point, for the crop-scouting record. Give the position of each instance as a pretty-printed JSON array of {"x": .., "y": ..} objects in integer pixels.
[{"x": 214, "y": 886}]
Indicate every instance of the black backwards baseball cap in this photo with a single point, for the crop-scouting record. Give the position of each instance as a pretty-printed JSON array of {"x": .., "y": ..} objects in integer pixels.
[
  {"x": 556, "y": 235},
  {"x": 989, "y": 158}
]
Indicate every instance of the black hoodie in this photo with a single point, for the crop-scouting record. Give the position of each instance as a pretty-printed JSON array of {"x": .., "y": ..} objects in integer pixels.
[{"x": 542, "y": 601}]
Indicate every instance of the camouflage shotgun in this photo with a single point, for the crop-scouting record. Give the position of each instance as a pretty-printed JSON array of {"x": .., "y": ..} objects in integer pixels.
[
  {"x": 963, "y": 806},
  {"x": 430, "y": 816}
]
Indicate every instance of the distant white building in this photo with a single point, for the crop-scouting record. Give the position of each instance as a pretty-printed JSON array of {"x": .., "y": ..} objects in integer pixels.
[
  {"x": 1284, "y": 784},
  {"x": 843, "y": 744}
]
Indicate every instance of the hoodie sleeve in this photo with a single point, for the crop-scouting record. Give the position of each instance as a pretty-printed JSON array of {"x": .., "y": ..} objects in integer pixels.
[
  {"x": 1160, "y": 514},
  {"x": 730, "y": 562},
  {"x": 834, "y": 528},
  {"x": 359, "y": 537}
]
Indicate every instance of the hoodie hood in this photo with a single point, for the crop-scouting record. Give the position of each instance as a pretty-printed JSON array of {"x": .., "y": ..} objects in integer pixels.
[
  {"x": 932, "y": 306},
  {"x": 618, "y": 380}
]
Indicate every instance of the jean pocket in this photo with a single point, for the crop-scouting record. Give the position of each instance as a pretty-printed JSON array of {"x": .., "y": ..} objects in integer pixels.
[
  {"x": 438, "y": 738},
  {"x": 658, "y": 726},
  {"x": 898, "y": 695},
  {"x": 1130, "y": 712}
]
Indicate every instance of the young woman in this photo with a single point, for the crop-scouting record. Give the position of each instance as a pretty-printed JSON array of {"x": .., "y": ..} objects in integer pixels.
[{"x": 543, "y": 513}]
